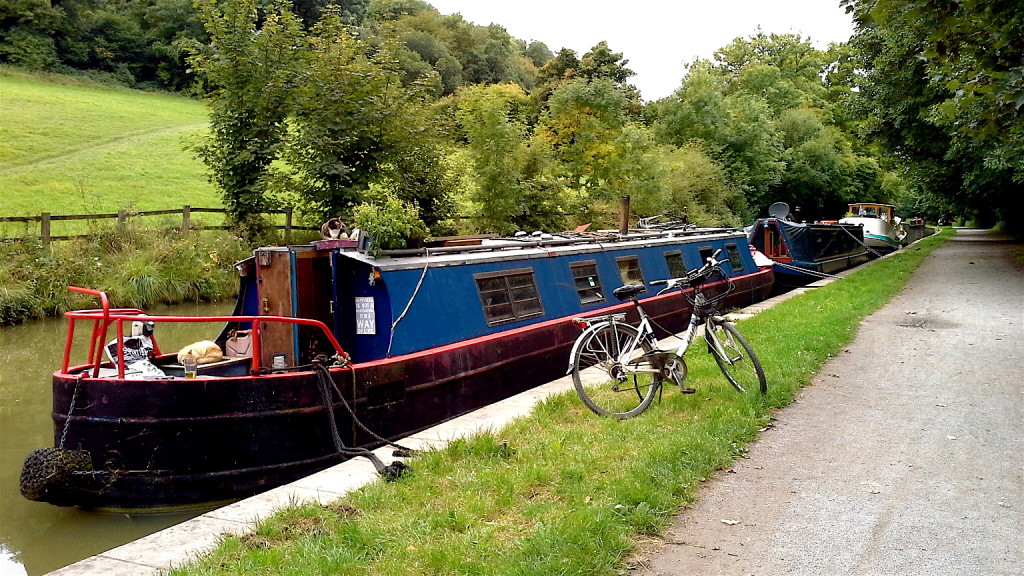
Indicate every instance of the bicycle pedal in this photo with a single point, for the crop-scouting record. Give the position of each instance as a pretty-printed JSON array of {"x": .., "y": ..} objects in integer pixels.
[{"x": 687, "y": 390}]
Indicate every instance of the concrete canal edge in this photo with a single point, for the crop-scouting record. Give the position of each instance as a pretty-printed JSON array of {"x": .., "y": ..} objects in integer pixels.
[
  {"x": 174, "y": 546},
  {"x": 161, "y": 551}
]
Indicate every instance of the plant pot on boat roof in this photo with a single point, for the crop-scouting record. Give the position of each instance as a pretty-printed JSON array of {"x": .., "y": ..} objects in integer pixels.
[{"x": 390, "y": 223}]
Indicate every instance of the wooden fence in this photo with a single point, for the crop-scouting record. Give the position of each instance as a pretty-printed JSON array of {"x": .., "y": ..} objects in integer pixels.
[{"x": 46, "y": 219}]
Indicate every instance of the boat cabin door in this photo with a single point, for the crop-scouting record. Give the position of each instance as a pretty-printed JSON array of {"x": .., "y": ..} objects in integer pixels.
[
  {"x": 774, "y": 246},
  {"x": 292, "y": 281}
]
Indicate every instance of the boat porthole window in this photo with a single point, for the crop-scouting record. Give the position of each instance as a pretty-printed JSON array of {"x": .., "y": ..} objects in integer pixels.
[
  {"x": 508, "y": 295},
  {"x": 629, "y": 270},
  {"x": 588, "y": 283},
  {"x": 735, "y": 260},
  {"x": 676, "y": 264}
]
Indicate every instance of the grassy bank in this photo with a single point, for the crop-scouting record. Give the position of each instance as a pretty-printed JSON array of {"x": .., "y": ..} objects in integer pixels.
[
  {"x": 136, "y": 267},
  {"x": 70, "y": 146},
  {"x": 80, "y": 148},
  {"x": 563, "y": 491}
]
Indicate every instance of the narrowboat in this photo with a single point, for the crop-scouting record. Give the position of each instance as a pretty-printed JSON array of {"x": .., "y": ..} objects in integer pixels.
[
  {"x": 883, "y": 230},
  {"x": 803, "y": 252},
  {"x": 331, "y": 347}
]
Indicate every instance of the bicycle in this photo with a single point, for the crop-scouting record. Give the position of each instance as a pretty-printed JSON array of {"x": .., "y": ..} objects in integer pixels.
[
  {"x": 631, "y": 366},
  {"x": 666, "y": 221}
]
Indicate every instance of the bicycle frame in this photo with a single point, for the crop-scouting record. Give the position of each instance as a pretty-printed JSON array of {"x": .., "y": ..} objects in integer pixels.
[
  {"x": 625, "y": 351},
  {"x": 646, "y": 334}
]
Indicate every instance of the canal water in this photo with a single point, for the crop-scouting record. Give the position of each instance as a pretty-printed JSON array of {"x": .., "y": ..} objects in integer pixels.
[{"x": 37, "y": 538}]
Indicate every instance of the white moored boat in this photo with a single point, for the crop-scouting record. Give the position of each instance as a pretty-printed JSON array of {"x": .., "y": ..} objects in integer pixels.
[{"x": 883, "y": 230}]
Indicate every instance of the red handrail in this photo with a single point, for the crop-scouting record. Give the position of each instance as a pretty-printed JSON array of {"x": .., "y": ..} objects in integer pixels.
[{"x": 103, "y": 317}]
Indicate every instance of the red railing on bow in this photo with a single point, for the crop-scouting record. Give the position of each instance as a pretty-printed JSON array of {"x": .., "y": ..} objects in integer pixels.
[{"x": 103, "y": 317}]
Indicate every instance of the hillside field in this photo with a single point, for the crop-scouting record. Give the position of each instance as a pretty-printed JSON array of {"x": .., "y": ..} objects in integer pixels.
[{"x": 67, "y": 147}]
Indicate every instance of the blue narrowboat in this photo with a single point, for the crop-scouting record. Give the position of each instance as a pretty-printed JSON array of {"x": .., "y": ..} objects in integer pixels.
[{"x": 331, "y": 347}]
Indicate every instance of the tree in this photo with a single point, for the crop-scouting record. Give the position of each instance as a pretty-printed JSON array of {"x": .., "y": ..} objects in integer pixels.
[
  {"x": 494, "y": 119},
  {"x": 26, "y": 30},
  {"x": 785, "y": 69},
  {"x": 581, "y": 124},
  {"x": 538, "y": 53},
  {"x": 251, "y": 69},
  {"x": 355, "y": 124},
  {"x": 694, "y": 184},
  {"x": 943, "y": 84},
  {"x": 735, "y": 127},
  {"x": 773, "y": 110}
]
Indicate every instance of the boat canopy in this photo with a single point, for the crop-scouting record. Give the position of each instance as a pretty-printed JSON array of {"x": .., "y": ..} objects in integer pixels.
[{"x": 811, "y": 242}]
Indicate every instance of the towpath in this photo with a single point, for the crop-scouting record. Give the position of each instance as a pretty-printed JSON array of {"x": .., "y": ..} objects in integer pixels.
[{"x": 904, "y": 457}]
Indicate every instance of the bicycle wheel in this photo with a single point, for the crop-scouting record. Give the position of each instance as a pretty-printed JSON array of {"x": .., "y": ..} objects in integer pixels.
[
  {"x": 735, "y": 357},
  {"x": 619, "y": 387}
]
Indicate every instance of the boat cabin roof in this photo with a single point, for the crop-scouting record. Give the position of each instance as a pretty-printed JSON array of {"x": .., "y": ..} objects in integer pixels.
[{"x": 534, "y": 246}]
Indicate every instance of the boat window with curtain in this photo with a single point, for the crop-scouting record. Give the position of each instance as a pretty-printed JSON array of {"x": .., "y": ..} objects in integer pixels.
[{"x": 735, "y": 260}]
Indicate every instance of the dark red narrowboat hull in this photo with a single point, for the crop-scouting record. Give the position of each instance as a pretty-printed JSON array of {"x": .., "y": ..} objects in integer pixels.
[{"x": 178, "y": 443}]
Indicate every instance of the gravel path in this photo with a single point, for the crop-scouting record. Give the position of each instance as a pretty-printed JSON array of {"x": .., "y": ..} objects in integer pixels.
[{"x": 905, "y": 456}]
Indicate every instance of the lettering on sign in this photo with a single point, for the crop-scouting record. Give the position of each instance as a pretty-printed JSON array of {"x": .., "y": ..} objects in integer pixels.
[{"x": 366, "y": 322}]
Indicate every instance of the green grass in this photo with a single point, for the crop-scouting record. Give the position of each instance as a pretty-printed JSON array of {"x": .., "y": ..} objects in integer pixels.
[
  {"x": 136, "y": 268},
  {"x": 563, "y": 491},
  {"x": 69, "y": 148}
]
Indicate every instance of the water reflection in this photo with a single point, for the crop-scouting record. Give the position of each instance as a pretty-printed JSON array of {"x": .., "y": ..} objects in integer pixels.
[{"x": 36, "y": 538}]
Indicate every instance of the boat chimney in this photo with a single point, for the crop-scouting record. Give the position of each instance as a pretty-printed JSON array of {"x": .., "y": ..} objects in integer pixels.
[{"x": 624, "y": 217}]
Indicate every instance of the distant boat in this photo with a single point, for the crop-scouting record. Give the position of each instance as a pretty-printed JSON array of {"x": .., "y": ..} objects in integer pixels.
[
  {"x": 329, "y": 338},
  {"x": 883, "y": 230},
  {"x": 803, "y": 252}
]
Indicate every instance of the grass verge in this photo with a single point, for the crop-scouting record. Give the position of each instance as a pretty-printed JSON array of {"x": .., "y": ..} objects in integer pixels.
[{"x": 562, "y": 491}]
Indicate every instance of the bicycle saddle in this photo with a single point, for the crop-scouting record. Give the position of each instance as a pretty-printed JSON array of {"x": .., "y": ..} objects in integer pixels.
[{"x": 629, "y": 291}]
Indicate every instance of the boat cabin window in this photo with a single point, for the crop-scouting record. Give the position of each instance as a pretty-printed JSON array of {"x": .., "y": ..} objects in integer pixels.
[
  {"x": 676, "y": 265},
  {"x": 588, "y": 284},
  {"x": 508, "y": 295},
  {"x": 735, "y": 260},
  {"x": 705, "y": 253},
  {"x": 629, "y": 270}
]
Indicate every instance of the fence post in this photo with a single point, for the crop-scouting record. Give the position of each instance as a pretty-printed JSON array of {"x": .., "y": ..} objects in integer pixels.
[
  {"x": 122, "y": 217},
  {"x": 186, "y": 219},
  {"x": 44, "y": 227},
  {"x": 288, "y": 225}
]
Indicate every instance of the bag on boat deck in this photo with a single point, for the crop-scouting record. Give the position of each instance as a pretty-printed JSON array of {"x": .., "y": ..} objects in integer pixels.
[
  {"x": 136, "y": 348},
  {"x": 205, "y": 351},
  {"x": 238, "y": 345}
]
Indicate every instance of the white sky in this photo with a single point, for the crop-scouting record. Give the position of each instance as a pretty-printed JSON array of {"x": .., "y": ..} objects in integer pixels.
[{"x": 658, "y": 37}]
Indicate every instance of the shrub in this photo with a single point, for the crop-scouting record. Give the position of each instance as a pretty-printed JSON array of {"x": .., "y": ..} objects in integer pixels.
[
  {"x": 136, "y": 268},
  {"x": 389, "y": 222}
]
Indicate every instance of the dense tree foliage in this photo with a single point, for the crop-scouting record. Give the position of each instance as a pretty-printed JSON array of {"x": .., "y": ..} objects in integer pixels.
[
  {"x": 251, "y": 69},
  {"x": 313, "y": 118},
  {"x": 769, "y": 110},
  {"x": 381, "y": 104},
  {"x": 943, "y": 85},
  {"x": 135, "y": 42}
]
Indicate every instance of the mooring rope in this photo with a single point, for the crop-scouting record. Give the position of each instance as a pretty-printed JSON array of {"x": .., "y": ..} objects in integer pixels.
[
  {"x": 326, "y": 383},
  {"x": 808, "y": 272},
  {"x": 861, "y": 242},
  {"x": 67, "y": 421}
]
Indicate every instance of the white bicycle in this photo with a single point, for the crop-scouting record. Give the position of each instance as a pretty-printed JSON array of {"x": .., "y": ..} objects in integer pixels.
[{"x": 618, "y": 368}]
